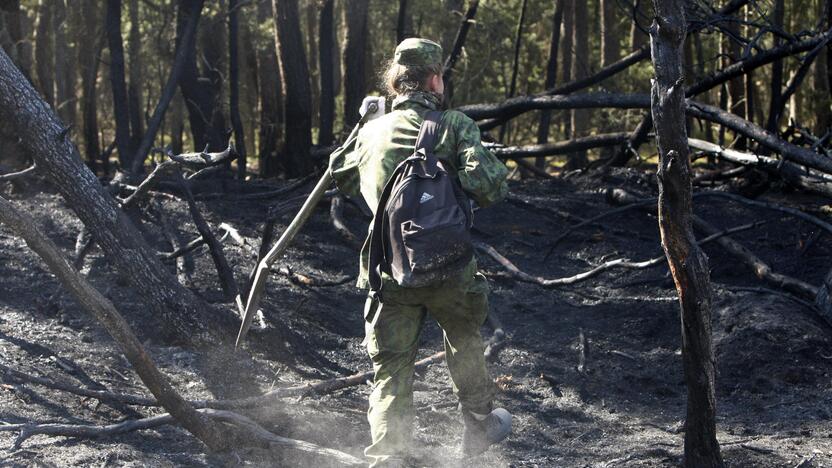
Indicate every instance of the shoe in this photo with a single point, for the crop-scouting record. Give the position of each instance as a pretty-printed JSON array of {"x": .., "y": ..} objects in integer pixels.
[{"x": 482, "y": 431}]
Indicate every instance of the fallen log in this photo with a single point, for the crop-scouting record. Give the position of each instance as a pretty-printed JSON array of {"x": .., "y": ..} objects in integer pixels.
[
  {"x": 761, "y": 269},
  {"x": 105, "y": 312},
  {"x": 791, "y": 173},
  {"x": 560, "y": 147}
]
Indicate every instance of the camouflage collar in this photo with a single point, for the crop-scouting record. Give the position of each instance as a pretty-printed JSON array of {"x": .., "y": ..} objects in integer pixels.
[{"x": 419, "y": 98}]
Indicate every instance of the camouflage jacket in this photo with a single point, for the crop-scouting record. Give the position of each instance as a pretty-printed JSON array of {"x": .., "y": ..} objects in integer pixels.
[{"x": 364, "y": 167}]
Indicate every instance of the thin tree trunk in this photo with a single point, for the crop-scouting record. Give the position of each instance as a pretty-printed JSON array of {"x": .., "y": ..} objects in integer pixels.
[
  {"x": 234, "y": 87},
  {"x": 201, "y": 90},
  {"x": 688, "y": 263},
  {"x": 580, "y": 69},
  {"x": 187, "y": 15},
  {"x": 640, "y": 20},
  {"x": 20, "y": 50},
  {"x": 456, "y": 49},
  {"x": 567, "y": 52},
  {"x": 776, "y": 71},
  {"x": 515, "y": 65},
  {"x": 45, "y": 52},
  {"x": 119, "y": 88},
  {"x": 134, "y": 86},
  {"x": 297, "y": 96},
  {"x": 610, "y": 46},
  {"x": 403, "y": 23},
  {"x": 64, "y": 66},
  {"x": 551, "y": 77},
  {"x": 181, "y": 314},
  {"x": 270, "y": 100},
  {"x": 355, "y": 67},
  {"x": 310, "y": 35},
  {"x": 89, "y": 51},
  {"x": 326, "y": 68}
]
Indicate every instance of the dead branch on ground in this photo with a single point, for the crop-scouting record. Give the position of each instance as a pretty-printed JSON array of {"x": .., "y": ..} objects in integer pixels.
[
  {"x": 261, "y": 437},
  {"x": 520, "y": 275},
  {"x": 226, "y": 275},
  {"x": 16, "y": 175}
]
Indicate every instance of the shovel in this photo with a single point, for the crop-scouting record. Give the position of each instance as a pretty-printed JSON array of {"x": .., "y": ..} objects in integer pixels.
[{"x": 369, "y": 110}]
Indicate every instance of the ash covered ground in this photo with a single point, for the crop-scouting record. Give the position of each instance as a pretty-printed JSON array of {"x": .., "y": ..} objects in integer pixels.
[{"x": 774, "y": 355}]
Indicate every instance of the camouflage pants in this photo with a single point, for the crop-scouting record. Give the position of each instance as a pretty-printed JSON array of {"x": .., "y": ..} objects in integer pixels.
[{"x": 460, "y": 308}]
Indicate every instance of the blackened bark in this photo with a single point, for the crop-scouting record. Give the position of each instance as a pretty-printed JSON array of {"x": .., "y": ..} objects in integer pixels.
[
  {"x": 688, "y": 263},
  {"x": 117, "y": 82},
  {"x": 326, "y": 68},
  {"x": 134, "y": 86},
  {"x": 64, "y": 66},
  {"x": 551, "y": 76},
  {"x": 456, "y": 49},
  {"x": 45, "y": 53},
  {"x": 201, "y": 90},
  {"x": 355, "y": 66},
  {"x": 181, "y": 314},
  {"x": 234, "y": 87},
  {"x": 610, "y": 45},
  {"x": 89, "y": 54},
  {"x": 403, "y": 23},
  {"x": 297, "y": 96},
  {"x": 187, "y": 15},
  {"x": 567, "y": 54},
  {"x": 580, "y": 69},
  {"x": 270, "y": 100},
  {"x": 775, "y": 89},
  {"x": 515, "y": 66}
]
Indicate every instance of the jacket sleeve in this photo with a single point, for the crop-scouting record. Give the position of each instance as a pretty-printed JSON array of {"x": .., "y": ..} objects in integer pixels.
[
  {"x": 343, "y": 164},
  {"x": 481, "y": 174}
]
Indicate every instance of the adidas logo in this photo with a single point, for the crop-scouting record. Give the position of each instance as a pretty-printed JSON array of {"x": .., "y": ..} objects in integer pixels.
[{"x": 425, "y": 197}]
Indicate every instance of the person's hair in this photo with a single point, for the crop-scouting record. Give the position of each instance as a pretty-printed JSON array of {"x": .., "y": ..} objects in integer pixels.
[{"x": 398, "y": 79}]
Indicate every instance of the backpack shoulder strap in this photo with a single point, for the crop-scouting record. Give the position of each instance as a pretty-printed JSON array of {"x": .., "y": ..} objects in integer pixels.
[
  {"x": 428, "y": 134},
  {"x": 429, "y": 131}
]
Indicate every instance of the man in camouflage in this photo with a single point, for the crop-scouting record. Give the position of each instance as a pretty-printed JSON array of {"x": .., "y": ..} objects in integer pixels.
[{"x": 459, "y": 305}]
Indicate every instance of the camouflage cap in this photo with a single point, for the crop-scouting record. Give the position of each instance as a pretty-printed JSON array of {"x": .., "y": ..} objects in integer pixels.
[{"x": 415, "y": 52}]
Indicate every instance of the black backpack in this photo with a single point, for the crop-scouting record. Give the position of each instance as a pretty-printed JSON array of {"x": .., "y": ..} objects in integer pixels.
[{"x": 421, "y": 230}]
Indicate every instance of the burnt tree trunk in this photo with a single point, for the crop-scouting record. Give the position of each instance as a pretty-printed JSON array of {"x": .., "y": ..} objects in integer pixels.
[
  {"x": 551, "y": 76},
  {"x": 404, "y": 26},
  {"x": 181, "y": 314},
  {"x": 89, "y": 51},
  {"x": 580, "y": 69},
  {"x": 688, "y": 263},
  {"x": 45, "y": 52},
  {"x": 270, "y": 100},
  {"x": 327, "y": 70},
  {"x": 64, "y": 66},
  {"x": 18, "y": 47},
  {"x": 201, "y": 90},
  {"x": 297, "y": 95},
  {"x": 134, "y": 86},
  {"x": 117, "y": 82},
  {"x": 567, "y": 53},
  {"x": 355, "y": 59},
  {"x": 234, "y": 87},
  {"x": 776, "y": 72},
  {"x": 515, "y": 65},
  {"x": 187, "y": 15},
  {"x": 456, "y": 49}
]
